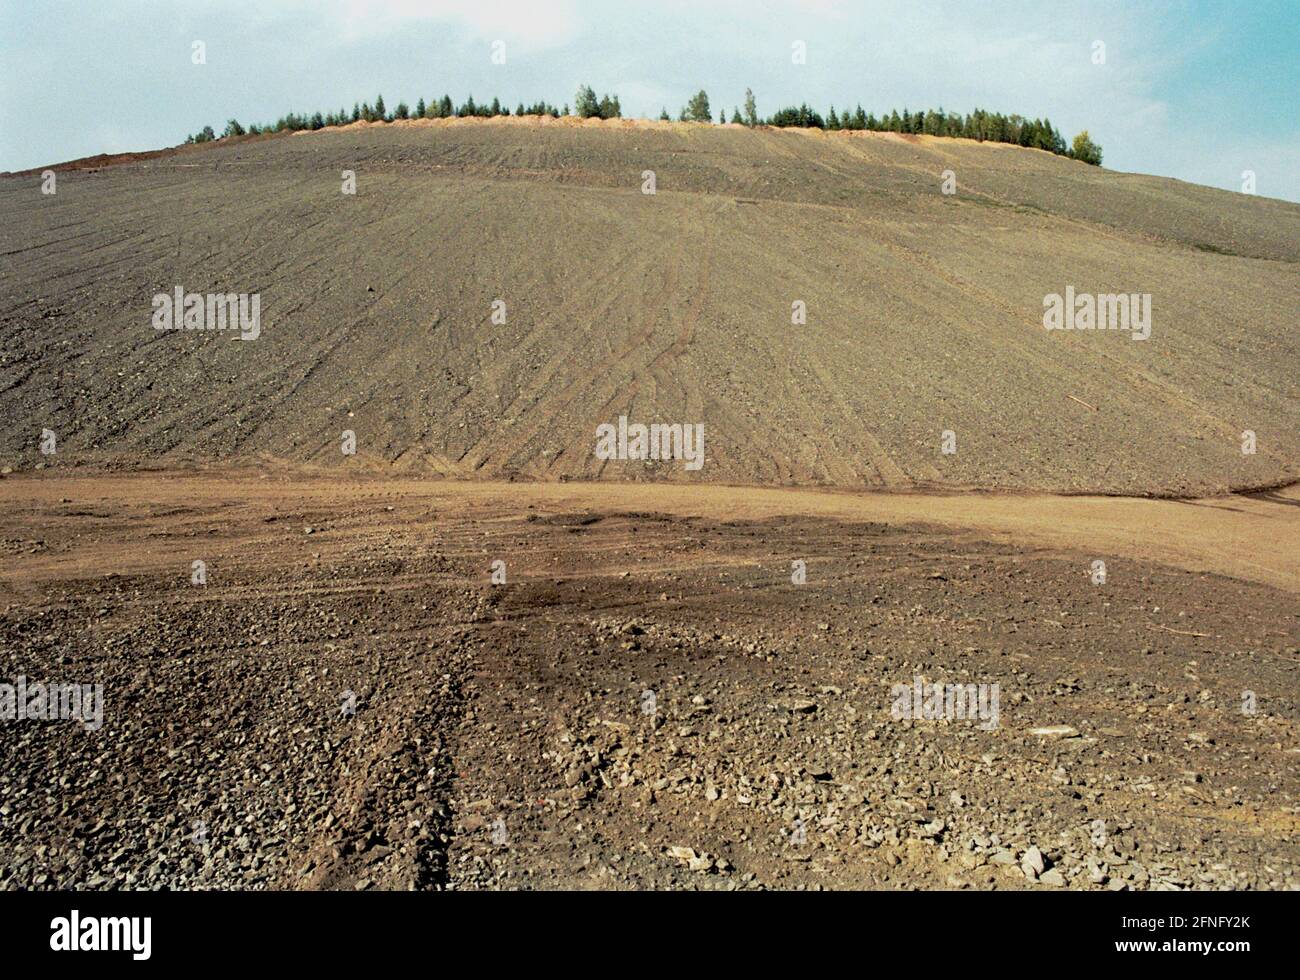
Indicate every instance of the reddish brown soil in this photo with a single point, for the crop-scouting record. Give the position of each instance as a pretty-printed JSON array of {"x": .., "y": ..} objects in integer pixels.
[{"x": 499, "y": 738}]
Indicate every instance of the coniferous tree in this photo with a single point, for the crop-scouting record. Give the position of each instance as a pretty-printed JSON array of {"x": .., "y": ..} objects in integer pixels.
[
  {"x": 586, "y": 105},
  {"x": 697, "y": 109},
  {"x": 802, "y": 117},
  {"x": 978, "y": 124},
  {"x": 1054, "y": 142}
]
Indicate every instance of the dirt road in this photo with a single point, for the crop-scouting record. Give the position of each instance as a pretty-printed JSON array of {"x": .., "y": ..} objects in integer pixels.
[{"x": 1253, "y": 537}]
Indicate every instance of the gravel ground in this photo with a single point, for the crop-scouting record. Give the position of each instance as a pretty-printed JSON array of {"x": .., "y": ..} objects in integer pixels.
[{"x": 648, "y": 701}]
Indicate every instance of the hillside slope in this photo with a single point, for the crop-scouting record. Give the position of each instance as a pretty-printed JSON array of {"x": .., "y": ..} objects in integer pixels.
[{"x": 924, "y": 311}]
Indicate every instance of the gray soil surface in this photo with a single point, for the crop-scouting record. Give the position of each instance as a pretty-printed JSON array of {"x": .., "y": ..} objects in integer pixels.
[{"x": 924, "y": 310}]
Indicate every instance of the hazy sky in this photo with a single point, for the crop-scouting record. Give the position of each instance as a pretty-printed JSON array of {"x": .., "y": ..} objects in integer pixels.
[{"x": 1196, "y": 90}]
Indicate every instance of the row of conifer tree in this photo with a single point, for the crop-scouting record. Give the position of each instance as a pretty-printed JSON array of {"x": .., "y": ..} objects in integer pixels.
[{"x": 978, "y": 125}]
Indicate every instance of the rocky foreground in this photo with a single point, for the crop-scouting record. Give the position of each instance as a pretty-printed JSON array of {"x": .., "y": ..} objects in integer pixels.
[{"x": 647, "y": 701}]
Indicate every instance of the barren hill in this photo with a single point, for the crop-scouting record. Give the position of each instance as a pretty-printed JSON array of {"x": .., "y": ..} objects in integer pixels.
[{"x": 924, "y": 310}]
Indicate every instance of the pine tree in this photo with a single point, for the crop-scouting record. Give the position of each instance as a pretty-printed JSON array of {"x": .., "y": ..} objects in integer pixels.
[
  {"x": 664, "y": 117},
  {"x": 609, "y": 108},
  {"x": 1058, "y": 141},
  {"x": 586, "y": 105},
  {"x": 978, "y": 124},
  {"x": 697, "y": 110},
  {"x": 802, "y": 116}
]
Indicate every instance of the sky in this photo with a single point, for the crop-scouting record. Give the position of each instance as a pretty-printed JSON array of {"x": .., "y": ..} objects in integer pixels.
[{"x": 1200, "y": 91}]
